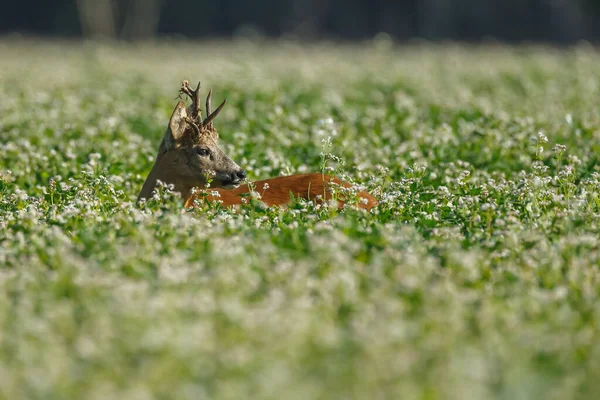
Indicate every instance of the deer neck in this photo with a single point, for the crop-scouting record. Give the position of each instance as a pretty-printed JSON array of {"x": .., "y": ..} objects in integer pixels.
[{"x": 162, "y": 171}]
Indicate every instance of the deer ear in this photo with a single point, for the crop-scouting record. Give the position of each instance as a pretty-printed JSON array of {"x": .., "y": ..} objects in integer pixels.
[{"x": 177, "y": 125}]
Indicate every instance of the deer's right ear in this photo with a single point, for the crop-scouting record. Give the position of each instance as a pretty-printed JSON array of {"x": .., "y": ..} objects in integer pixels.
[{"x": 177, "y": 125}]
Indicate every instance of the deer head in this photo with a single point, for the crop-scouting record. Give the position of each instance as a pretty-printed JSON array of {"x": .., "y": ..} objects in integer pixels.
[{"x": 188, "y": 155}]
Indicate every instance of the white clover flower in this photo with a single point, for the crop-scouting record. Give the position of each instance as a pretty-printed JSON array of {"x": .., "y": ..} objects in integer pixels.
[
  {"x": 539, "y": 151},
  {"x": 487, "y": 206},
  {"x": 559, "y": 148},
  {"x": 574, "y": 160},
  {"x": 541, "y": 138},
  {"x": 566, "y": 171},
  {"x": 569, "y": 119}
]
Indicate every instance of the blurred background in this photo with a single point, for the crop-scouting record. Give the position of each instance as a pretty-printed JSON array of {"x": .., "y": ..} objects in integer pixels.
[{"x": 512, "y": 21}]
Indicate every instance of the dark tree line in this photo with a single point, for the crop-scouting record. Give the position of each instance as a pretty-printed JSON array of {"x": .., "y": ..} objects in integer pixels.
[{"x": 560, "y": 21}]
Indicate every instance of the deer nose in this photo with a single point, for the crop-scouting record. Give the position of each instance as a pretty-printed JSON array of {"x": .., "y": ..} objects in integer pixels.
[{"x": 239, "y": 175}]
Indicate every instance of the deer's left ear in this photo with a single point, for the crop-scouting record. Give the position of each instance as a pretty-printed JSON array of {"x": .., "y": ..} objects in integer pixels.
[{"x": 177, "y": 125}]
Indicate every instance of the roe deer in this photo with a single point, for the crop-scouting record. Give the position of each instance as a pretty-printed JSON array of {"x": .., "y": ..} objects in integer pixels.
[{"x": 188, "y": 157}]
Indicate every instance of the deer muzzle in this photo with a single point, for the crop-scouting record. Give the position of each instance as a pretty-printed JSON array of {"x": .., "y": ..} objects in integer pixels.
[{"x": 231, "y": 180}]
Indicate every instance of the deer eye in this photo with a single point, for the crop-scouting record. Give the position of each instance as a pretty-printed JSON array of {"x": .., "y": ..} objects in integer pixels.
[{"x": 203, "y": 152}]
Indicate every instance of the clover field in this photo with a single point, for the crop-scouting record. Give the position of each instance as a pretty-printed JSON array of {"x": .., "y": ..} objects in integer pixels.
[{"x": 476, "y": 277}]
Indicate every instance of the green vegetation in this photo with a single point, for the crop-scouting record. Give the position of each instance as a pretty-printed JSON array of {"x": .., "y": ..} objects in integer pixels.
[{"x": 476, "y": 277}]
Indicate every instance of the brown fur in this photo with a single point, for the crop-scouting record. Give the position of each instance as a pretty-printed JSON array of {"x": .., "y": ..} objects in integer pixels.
[{"x": 307, "y": 186}]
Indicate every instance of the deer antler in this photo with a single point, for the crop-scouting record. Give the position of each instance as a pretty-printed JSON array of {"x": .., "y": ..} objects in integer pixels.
[
  {"x": 208, "y": 98},
  {"x": 208, "y": 120},
  {"x": 194, "y": 95}
]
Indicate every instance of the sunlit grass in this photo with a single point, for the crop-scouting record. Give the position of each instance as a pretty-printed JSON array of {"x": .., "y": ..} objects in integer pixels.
[{"x": 477, "y": 276}]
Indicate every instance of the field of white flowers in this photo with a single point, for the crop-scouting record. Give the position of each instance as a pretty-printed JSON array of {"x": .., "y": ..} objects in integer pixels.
[{"x": 476, "y": 277}]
